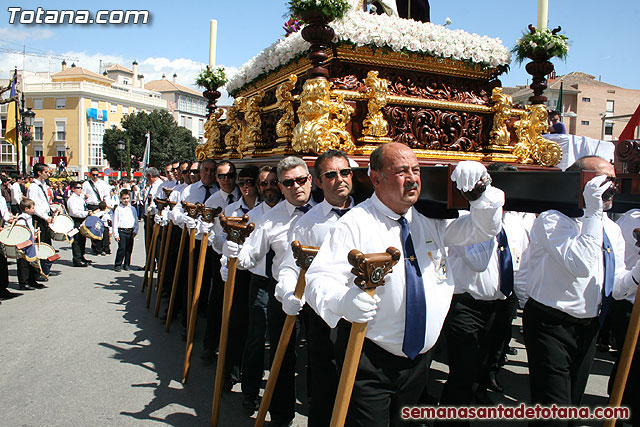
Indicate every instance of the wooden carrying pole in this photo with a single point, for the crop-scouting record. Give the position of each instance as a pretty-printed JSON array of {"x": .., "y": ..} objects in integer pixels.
[
  {"x": 208, "y": 215},
  {"x": 165, "y": 253},
  {"x": 192, "y": 210},
  {"x": 237, "y": 229},
  {"x": 626, "y": 357},
  {"x": 176, "y": 276},
  {"x": 370, "y": 270},
  {"x": 152, "y": 270},
  {"x": 147, "y": 234},
  {"x": 304, "y": 256},
  {"x": 151, "y": 257}
]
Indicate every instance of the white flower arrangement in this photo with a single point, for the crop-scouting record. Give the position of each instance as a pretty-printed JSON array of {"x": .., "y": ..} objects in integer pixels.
[{"x": 381, "y": 31}]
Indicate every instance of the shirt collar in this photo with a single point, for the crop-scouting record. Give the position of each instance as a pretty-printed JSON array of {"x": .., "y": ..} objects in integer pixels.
[
  {"x": 386, "y": 211},
  {"x": 291, "y": 208},
  {"x": 326, "y": 206}
]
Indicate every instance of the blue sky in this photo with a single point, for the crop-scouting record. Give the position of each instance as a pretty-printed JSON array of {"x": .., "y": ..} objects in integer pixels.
[{"x": 602, "y": 35}]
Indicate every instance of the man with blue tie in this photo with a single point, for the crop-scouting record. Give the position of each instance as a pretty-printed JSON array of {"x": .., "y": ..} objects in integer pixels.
[
  {"x": 573, "y": 266},
  {"x": 406, "y": 314}
]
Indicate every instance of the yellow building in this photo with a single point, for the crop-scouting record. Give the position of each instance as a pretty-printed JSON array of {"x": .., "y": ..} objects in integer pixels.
[{"x": 73, "y": 108}]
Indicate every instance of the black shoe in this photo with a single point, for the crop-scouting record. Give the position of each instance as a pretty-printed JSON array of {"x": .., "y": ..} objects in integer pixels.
[
  {"x": 512, "y": 351},
  {"x": 279, "y": 424},
  {"x": 125, "y": 268},
  {"x": 251, "y": 403},
  {"x": 482, "y": 397},
  {"x": 7, "y": 294},
  {"x": 103, "y": 253},
  {"x": 118, "y": 269},
  {"x": 207, "y": 355},
  {"x": 26, "y": 288},
  {"x": 79, "y": 264},
  {"x": 42, "y": 278},
  {"x": 494, "y": 385},
  {"x": 228, "y": 383},
  {"x": 37, "y": 285},
  {"x": 86, "y": 261}
]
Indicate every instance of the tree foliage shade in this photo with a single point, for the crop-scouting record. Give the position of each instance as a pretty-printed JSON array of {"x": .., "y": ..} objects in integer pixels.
[{"x": 169, "y": 142}]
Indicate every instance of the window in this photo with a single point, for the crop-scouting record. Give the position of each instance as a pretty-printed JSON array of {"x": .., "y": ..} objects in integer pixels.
[
  {"x": 61, "y": 103},
  {"x": 182, "y": 121},
  {"x": 200, "y": 127},
  {"x": 188, "y": 123},
  {"x": 37, "y": 152},
  {"x": 61, "y": 152},
  {"x": 3, "y": 127},
  {"x": 7, "y": 152},
  {"x": 609, "y": 106},
  {"x": 37, "y": 104},
  {"x": 584, "y": 122},
  {"x": 125, "y": 110},
  {"x": 96, "y": 131},
  {"x": 114, "y": 108},
  {"x": 125, "y": 81},
  {"x": 37, "y": 131},
  {"x": 586, "y": 99},
  {"x": 61, "y": 135},
  {"x": 608, "y": 131},
  {"x": 95, "y": 104}
]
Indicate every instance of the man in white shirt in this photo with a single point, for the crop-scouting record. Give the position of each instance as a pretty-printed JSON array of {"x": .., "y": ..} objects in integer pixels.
[
  {"x": 621, "y": 308},
  {"x": 96, "y": 189},
  {"x": 37, "y": 192},
  {"x": 125, "y": 228},
  {"x": 573, "y": 266},
  {"x": 270, "y": 241},
  {"x": 406, "y": 314},
  {"x": 17, "y": 194},
  {"x": 77, "y": 208},
  {"x": 334, "y": 177},
  {"x": 153, "y": 178},
  {"x": 5, "y": 293}
]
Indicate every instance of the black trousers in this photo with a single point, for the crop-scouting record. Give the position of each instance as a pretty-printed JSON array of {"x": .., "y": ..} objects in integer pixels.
[
  {"x": 79, "y": 243},
  {"x": 172, "y": 256},
  {"x": 4, "y": 273},
  {"x": 213, "y": 299},
  {"x": 384, "y": 382},
  {"x": 466, "y": 331},
  {"x": 27, "y": 273},
  {"x": 620, "y": 315},
  {"x": 560, "y": 351},
  {"x": 43, "y": 226},
  {"x": 500, "y": 334},
  {"x": 125, "y": 247},
  {"x": 253, "y": 356}
]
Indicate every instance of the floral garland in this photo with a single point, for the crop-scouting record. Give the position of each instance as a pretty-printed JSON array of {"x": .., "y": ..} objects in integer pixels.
[
  {"x": 212, "y": 79},
  {"x": 541, "y": 42},
  {"x": 381, "y": 31}
]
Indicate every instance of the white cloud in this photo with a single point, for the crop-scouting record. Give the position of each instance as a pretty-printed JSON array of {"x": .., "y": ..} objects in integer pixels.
[{"x": 18, "y": 35}]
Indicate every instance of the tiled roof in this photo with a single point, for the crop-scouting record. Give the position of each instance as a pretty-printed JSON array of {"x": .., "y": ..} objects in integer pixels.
[
  {"x": 118, "y": 67},
  {"x": 165, "y": 85}
]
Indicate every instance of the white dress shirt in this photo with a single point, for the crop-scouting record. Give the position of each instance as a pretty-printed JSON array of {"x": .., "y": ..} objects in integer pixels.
[
  {"x": 371, "y": 227},
  {"x": 4, "y": 211},
  {"x": 219, "y": 199},
  {"x": 476, "y": 268},
  {"x": 124, "y": 217},
  {"x": 77, "y": 207},
  {"x": 37, "y": 192},
  {"x": 152, "y": 193},
  {"x": 235, "y": 209},
  {"x": 102, "y": 189},
  {"x": 194, "y": 193},
  {"x": 310, "y": 230},
  {"x": 254, "y": 216},
  {"x": 169, "y": 184},
  {"x": 566, "y": 267},
  {"x": 16, "y": 193},
  {"x": 175, "y": 196},
  {"x": 627, "y": 223},
  {"x": 271, "y": 232},
  {"x": 25, "y": 218}
]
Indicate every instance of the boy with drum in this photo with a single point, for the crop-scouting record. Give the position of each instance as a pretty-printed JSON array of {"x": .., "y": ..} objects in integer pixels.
[{"x": 27, "y": 273}]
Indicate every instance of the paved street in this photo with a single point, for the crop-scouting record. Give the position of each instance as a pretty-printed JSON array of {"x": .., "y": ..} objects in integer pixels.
[{"x": 86, "y": 351}]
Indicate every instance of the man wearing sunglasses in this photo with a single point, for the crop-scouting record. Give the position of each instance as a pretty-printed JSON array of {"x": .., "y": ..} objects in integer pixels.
[
  {"x": 408, "y": 311},
  {"x": 155, "y": 182},
  {"x": 334, "y": 177},
  {"x": 270, "y": 240},
  {"x": 37, "y": 191}
]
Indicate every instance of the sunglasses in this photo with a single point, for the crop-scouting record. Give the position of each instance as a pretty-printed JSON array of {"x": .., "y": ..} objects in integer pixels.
[
  {"x": 77, "y": 188},
  {"x": 343, "y": 173},
  {"x": 273, "y": 183},
  {"x": 94, "y": 174},
  {"x": 186, "y": 171},
  {"x": 229, "y": 175},
  {"x": 194, "y": 171},
  {"x": 302, "y": 180},
  {"x": 249, "y": 182}
]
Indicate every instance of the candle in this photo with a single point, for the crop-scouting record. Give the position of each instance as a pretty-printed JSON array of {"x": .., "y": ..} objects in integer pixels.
[
  {"x": 212, "y": 43},
  {"x": 543, "y": 13}
]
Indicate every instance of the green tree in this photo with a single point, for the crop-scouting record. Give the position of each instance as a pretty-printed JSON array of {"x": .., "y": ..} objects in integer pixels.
[{"x": 169, "y": 142}]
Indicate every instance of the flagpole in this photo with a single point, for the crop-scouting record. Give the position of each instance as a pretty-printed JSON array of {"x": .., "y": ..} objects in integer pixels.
[{"x": 15, "y": 81}]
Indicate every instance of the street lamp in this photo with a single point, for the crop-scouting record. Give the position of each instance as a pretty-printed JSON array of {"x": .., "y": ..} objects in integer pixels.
[
  {"x": 28, "y": 117},
  {"x": 121, "y": 146}
]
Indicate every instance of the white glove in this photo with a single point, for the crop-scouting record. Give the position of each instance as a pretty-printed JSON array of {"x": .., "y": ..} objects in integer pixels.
[
  {"x": 230, "y": 249},
  {"x": 635, "y": 272},
  {"x": 205, "y": 227},
  {"x": 593, "y": 195},
  {"x": 190, "y": 222},
  {"x": 357, "y": 306},
  {"x": 224, "y": 272},
  {"x": 467, "y": 174},
  {"x": 292, "y": 305}
]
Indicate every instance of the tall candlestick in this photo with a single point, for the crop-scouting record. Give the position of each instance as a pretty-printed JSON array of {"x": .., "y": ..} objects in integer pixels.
[
  {"x": 212, "y": 43},
  {"x": 543, "y": 13}
]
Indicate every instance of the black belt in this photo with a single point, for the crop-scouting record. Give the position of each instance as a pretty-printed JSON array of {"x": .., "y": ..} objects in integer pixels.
[
  {"x": 556, "y": 314},
  {"x": 125, "y": 229}
]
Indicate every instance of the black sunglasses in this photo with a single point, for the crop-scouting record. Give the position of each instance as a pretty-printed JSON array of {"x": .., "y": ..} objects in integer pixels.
[
  {"x": 300, "y": 181},
  {"x": 343, "y": 173},
  {"x": 273, "y": 183},
  {"x": 250, "y": 182},
  {"x": 94, "y": 174},
  {"x": 228, "y": 175},
  {"x": 186, "y": 171},
  {"x": 194, "y": 171},
  {"x": 77, "y": 188}
]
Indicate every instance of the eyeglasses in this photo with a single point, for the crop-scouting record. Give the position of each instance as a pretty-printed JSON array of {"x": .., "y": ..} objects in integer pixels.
[
  {"x": 186, "y": 171},
  {"x": 94, "y": 174},
  {"x": 273, "y": 183},
  {"x": 194, "y": 171},
  {"x": 228, "y": 175},
  {"x": 77, "y": 188},
  {"x": 343, "y": 173},
  {"x": 300, "y": 181},
  {"x": 249, "y": 182}
]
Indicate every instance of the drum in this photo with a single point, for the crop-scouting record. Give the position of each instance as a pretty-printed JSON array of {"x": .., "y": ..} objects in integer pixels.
[
  {"x": 92, "y": 227},
  {"x": 61, "y": 226},
  {"x": 45, "y": 255},
  {"x": 58, "y": 207},
  {"x": 13, "y": 238}
]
